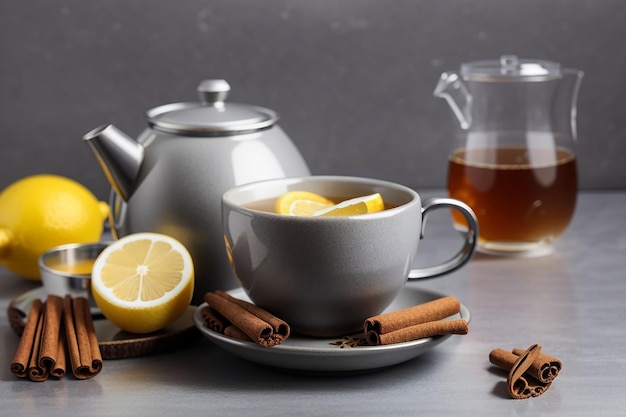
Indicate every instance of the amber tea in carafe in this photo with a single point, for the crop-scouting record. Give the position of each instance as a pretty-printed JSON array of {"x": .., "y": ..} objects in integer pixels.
[
  {"x": 515, "y": 164},
  {"x": 518, "y": 202}
]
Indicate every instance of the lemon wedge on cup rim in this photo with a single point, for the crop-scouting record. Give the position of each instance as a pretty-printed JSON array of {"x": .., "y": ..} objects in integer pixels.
[
  {"x": 305, "y": 203},
  {"x": 143, "y": 282}
]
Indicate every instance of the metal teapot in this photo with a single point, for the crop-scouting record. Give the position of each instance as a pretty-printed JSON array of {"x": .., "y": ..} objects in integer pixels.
[{"x": 171, "y": 179}]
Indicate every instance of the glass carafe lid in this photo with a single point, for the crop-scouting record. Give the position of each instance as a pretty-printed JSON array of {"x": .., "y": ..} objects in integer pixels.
[{"x": 510, "y": 68}]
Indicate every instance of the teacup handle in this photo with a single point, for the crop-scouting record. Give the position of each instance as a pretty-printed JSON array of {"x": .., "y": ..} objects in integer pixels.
[{"x": 471, "y": 238}]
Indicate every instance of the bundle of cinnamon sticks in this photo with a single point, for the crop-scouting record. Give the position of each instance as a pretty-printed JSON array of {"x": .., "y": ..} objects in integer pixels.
[
  {"x": 416, "y": 322},
  {"x": 243, "y": 320},
  {"x": 58, "y": 329},
  {"x": 531, "y": 372}
]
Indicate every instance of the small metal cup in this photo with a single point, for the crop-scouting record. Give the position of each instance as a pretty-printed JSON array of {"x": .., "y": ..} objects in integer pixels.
[{"x": 55, "y": 267}]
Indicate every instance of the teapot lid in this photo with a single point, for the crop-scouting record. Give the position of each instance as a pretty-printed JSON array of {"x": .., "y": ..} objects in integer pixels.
[
  {"x": 212, "y": 116},
  {"x": 510, "y": 68}
]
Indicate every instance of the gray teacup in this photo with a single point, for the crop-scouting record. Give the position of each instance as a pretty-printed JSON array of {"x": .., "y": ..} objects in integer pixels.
[{"x": 326, "y": 275}]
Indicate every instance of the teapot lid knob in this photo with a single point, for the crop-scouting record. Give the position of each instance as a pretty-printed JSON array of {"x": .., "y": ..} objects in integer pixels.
[{"x": 213, "y": 92}]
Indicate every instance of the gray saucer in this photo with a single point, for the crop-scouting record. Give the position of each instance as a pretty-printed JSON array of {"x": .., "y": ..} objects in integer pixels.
[{"x": 332, "y": 355}]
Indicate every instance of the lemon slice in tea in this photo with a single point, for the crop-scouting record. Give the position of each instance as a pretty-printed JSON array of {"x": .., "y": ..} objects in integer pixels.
[
  {"x": 359, "y": 205},
  {"x": 301, "y": 203}
]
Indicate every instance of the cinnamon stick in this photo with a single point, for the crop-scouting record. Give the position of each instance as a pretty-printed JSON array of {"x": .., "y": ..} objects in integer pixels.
[
  {"x": 19, "y": 366},
  {"x": 279, "y": 326},
  {"x": 416, "y": 322},
  {"x": 35, "y": 371},
  {"x": 545, "y": 368},
  {"x": 503, "y": 359},
  {"x": 82, "y": 343},
  {"x": 236, "y": 333},
  {"x": 94, "y": 346},
  {"x": 60, "y": 366},
  {"x": 249, "y": 318},
  {"x": 51, "y": 330},
  {"x": 212, "y": 319},
  {"x": 418, "y": 331},
  {"x": 519, "y": 387}
]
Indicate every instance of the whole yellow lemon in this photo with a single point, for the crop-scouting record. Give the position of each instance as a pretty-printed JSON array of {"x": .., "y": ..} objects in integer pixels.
[{"x": 43, "y": 211}]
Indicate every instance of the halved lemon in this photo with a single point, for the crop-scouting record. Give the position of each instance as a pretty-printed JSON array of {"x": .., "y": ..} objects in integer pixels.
[
  {"x": 143, "y": 282},
  {"x": 301, "y": 203},
  {"x": 359, "y": 205}
]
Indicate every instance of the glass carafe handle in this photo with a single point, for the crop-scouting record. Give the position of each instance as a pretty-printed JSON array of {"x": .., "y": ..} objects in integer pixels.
[{"x": 451, "y": 88}]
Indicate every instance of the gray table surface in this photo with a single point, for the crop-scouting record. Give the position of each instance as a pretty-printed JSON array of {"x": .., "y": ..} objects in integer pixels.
[{"x": 571, "y": 302}]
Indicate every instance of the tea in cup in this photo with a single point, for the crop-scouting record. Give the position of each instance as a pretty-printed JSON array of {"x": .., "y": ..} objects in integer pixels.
[{"x": 326, "y": 275}]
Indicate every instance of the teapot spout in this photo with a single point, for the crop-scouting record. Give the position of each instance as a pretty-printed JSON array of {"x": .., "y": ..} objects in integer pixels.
[
  {"x": 451, "y": 88},
  {"x": 119, "y": 155}
]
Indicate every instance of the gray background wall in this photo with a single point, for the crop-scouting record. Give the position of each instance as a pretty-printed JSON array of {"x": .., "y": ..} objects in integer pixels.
[{"x": 352, "y": 79}]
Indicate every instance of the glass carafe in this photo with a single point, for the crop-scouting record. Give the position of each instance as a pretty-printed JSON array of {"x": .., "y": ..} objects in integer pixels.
[{"x": 514, "y": 161}]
